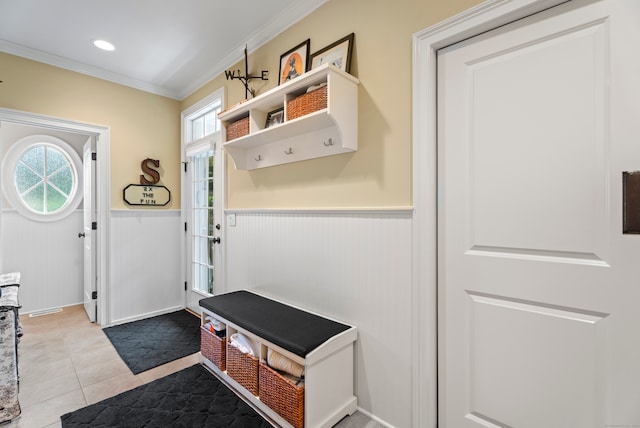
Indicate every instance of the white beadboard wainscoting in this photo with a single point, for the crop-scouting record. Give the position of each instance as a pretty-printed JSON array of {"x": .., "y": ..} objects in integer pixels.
[
  {"x": 49, "y": 256},
  {"x": 145, "y": 264},
  {"x": 352, "y": 266}
]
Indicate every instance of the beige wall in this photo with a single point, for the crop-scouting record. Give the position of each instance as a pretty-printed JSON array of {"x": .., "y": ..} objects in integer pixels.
[
  {"x": 379, "y": 174},
  {"x": 142, "y": 125},
  {"x": 146, "y": 125}
]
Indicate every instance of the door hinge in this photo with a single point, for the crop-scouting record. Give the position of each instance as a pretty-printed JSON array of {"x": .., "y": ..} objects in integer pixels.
[
  {"x": 94, "y": 295},
  {"x": 185, "y": 286},
  {"x": 185, "y": 166},
  {"x": 94, "y": 156},
  {"x": 185, "y": 226},
  {"x": 94, "y": 225}
]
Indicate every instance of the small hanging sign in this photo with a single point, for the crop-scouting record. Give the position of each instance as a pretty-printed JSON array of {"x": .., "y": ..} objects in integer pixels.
[
  {"x": 147, "y": 192},
  {"x": 144, "y": 194}
]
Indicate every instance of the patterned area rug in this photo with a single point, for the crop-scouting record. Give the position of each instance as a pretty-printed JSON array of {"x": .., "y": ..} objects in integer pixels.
[
  {"x": 151, "y": 342},
  {"x": 190, "y": 398}
]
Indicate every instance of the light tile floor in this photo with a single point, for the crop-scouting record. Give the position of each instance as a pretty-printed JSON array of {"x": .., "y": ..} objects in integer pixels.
[{"x": 66, "y": 363}]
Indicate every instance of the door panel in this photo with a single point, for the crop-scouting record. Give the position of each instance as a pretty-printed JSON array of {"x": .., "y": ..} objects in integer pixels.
[
  {"x": 204, "y": 203},
  {"x": 89, "y": 216},
  {"x": 535, "y": 276}
]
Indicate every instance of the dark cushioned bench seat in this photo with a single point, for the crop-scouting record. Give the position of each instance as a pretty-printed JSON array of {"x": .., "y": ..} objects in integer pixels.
[{"x": 295, "y": 330}]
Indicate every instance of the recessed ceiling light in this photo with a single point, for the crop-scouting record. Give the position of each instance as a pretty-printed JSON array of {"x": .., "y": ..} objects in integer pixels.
[{"x": 103, "y": 44}]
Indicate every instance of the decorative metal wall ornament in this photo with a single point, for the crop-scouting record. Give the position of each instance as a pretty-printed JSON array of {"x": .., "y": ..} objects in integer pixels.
[
  {"x": 246, "y": 77},
  {"x": 147, "y": 192},
  {"x": 146, "y": 169}
]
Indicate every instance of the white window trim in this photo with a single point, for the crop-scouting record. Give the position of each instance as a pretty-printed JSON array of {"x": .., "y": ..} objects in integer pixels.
[
  {"x": 10, "y": 163},
  {"x": 188, "y": 147}
]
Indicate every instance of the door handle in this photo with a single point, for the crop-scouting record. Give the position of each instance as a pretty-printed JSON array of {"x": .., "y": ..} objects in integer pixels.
[
  {"x": 216, "y": 240},
  {"x": 81, "y": 235}
]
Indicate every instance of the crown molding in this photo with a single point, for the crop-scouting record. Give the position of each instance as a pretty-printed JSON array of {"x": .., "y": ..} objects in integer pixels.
[
  {"x": 78, "y": 67},
  {"x": 261, "y": 36}
]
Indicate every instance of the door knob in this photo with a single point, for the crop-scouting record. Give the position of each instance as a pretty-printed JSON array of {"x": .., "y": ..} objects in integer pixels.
[
  {"x": 80, "y": 235},
  {"x": 216, "y": 240}
]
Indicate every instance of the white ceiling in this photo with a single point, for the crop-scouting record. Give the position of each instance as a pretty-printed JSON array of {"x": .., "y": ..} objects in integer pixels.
[{"x": 167, "y": 47}]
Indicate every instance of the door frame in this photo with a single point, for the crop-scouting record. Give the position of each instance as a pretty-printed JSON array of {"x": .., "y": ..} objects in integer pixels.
[
  {"x": 484, "y": 17},
  {"x": 220, "y": 195},
  {"x": 103, "y": 191}
]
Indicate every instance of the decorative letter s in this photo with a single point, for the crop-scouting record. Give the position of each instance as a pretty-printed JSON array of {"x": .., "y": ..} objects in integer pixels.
[{"x": 146, "y": 169}]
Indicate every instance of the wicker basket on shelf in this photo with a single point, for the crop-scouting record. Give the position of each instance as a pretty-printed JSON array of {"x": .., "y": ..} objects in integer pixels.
[
  {"x": 213, "y": 348},
  {"x": 282, "y": 395},
  {"x": 307, "y": 103},
  {"x": 243, "y": 368},
  {"x": 238, "y": 129}
]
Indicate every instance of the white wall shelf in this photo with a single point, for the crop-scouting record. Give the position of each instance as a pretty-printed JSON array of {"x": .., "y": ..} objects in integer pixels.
[{"x": 329, "y": 131}]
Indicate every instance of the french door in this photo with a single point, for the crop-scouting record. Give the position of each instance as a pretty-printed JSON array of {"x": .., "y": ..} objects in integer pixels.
[{"x": 203, "y": 229}]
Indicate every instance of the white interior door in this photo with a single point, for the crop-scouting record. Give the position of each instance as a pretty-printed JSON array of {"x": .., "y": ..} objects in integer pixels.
[
  {"x": 89, "y": 217},
  {"x": 537, "y": 284}
]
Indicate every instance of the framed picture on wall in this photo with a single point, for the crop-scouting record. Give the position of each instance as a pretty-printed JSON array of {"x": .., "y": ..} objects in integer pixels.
[
  {"x": 337, "y": 53},
  {"x": 275, "y": 117},
  {"x": 293, "y": 63}
]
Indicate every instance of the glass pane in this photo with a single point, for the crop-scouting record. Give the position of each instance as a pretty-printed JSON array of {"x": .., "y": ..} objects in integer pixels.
[
  {"x": 34, "y": 157},
  {"x": 203, "y": 250},
  {"x": 55, "y": 160},
  {"x": 210, "y": 281},
  {"x": 63, "y": 180},
  {"x": 202, "y": 222},
  {"x": 210, "y": 193},
  {"x": 210, "y": 123},
  {"x": 211, "y": 250},
  {"x": 198, "y": 249},
  {"x": 34, "y": 199},
  {"x": 198, "y": 128},
  {"x": 210, "y": 230},
  {"x": 25, "y": 178},
  {"x": 44, "y": 178},
  {"x": 55, "y": 199},
  {"x": 201, "y": 200}
]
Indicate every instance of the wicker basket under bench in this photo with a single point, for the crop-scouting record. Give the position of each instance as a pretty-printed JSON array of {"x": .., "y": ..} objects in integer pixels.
[{"x": 323, "y": 346}]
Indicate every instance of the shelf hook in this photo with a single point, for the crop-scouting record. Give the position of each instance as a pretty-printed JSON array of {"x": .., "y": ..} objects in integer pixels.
[
  {"x": 288, "y": 152},
  {"x": 259, "y": 158},
  {"x": 328, "y": 143}
]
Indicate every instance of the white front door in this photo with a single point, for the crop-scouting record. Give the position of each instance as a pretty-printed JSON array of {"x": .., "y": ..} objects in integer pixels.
[
  {"x": 89, "y": 217},
  {"x": 537, "y": 284}
]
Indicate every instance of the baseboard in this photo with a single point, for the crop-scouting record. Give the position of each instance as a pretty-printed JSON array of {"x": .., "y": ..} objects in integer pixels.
[
  {"x": 375, "y": 418},
  {"x": 146, "y": 315}
]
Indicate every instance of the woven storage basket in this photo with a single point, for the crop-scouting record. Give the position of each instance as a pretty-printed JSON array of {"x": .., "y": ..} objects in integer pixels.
[
  {"x": 281, "y": 395},
  {"x": 307, "y": 103},
  {"x": 213, "y": 348},
  {"x": 243, "y": 368},
  {"x": 238, "y": 128}
]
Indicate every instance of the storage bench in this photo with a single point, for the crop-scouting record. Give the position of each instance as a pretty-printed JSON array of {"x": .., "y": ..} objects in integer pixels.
[{"x": 323, "y": 346}]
